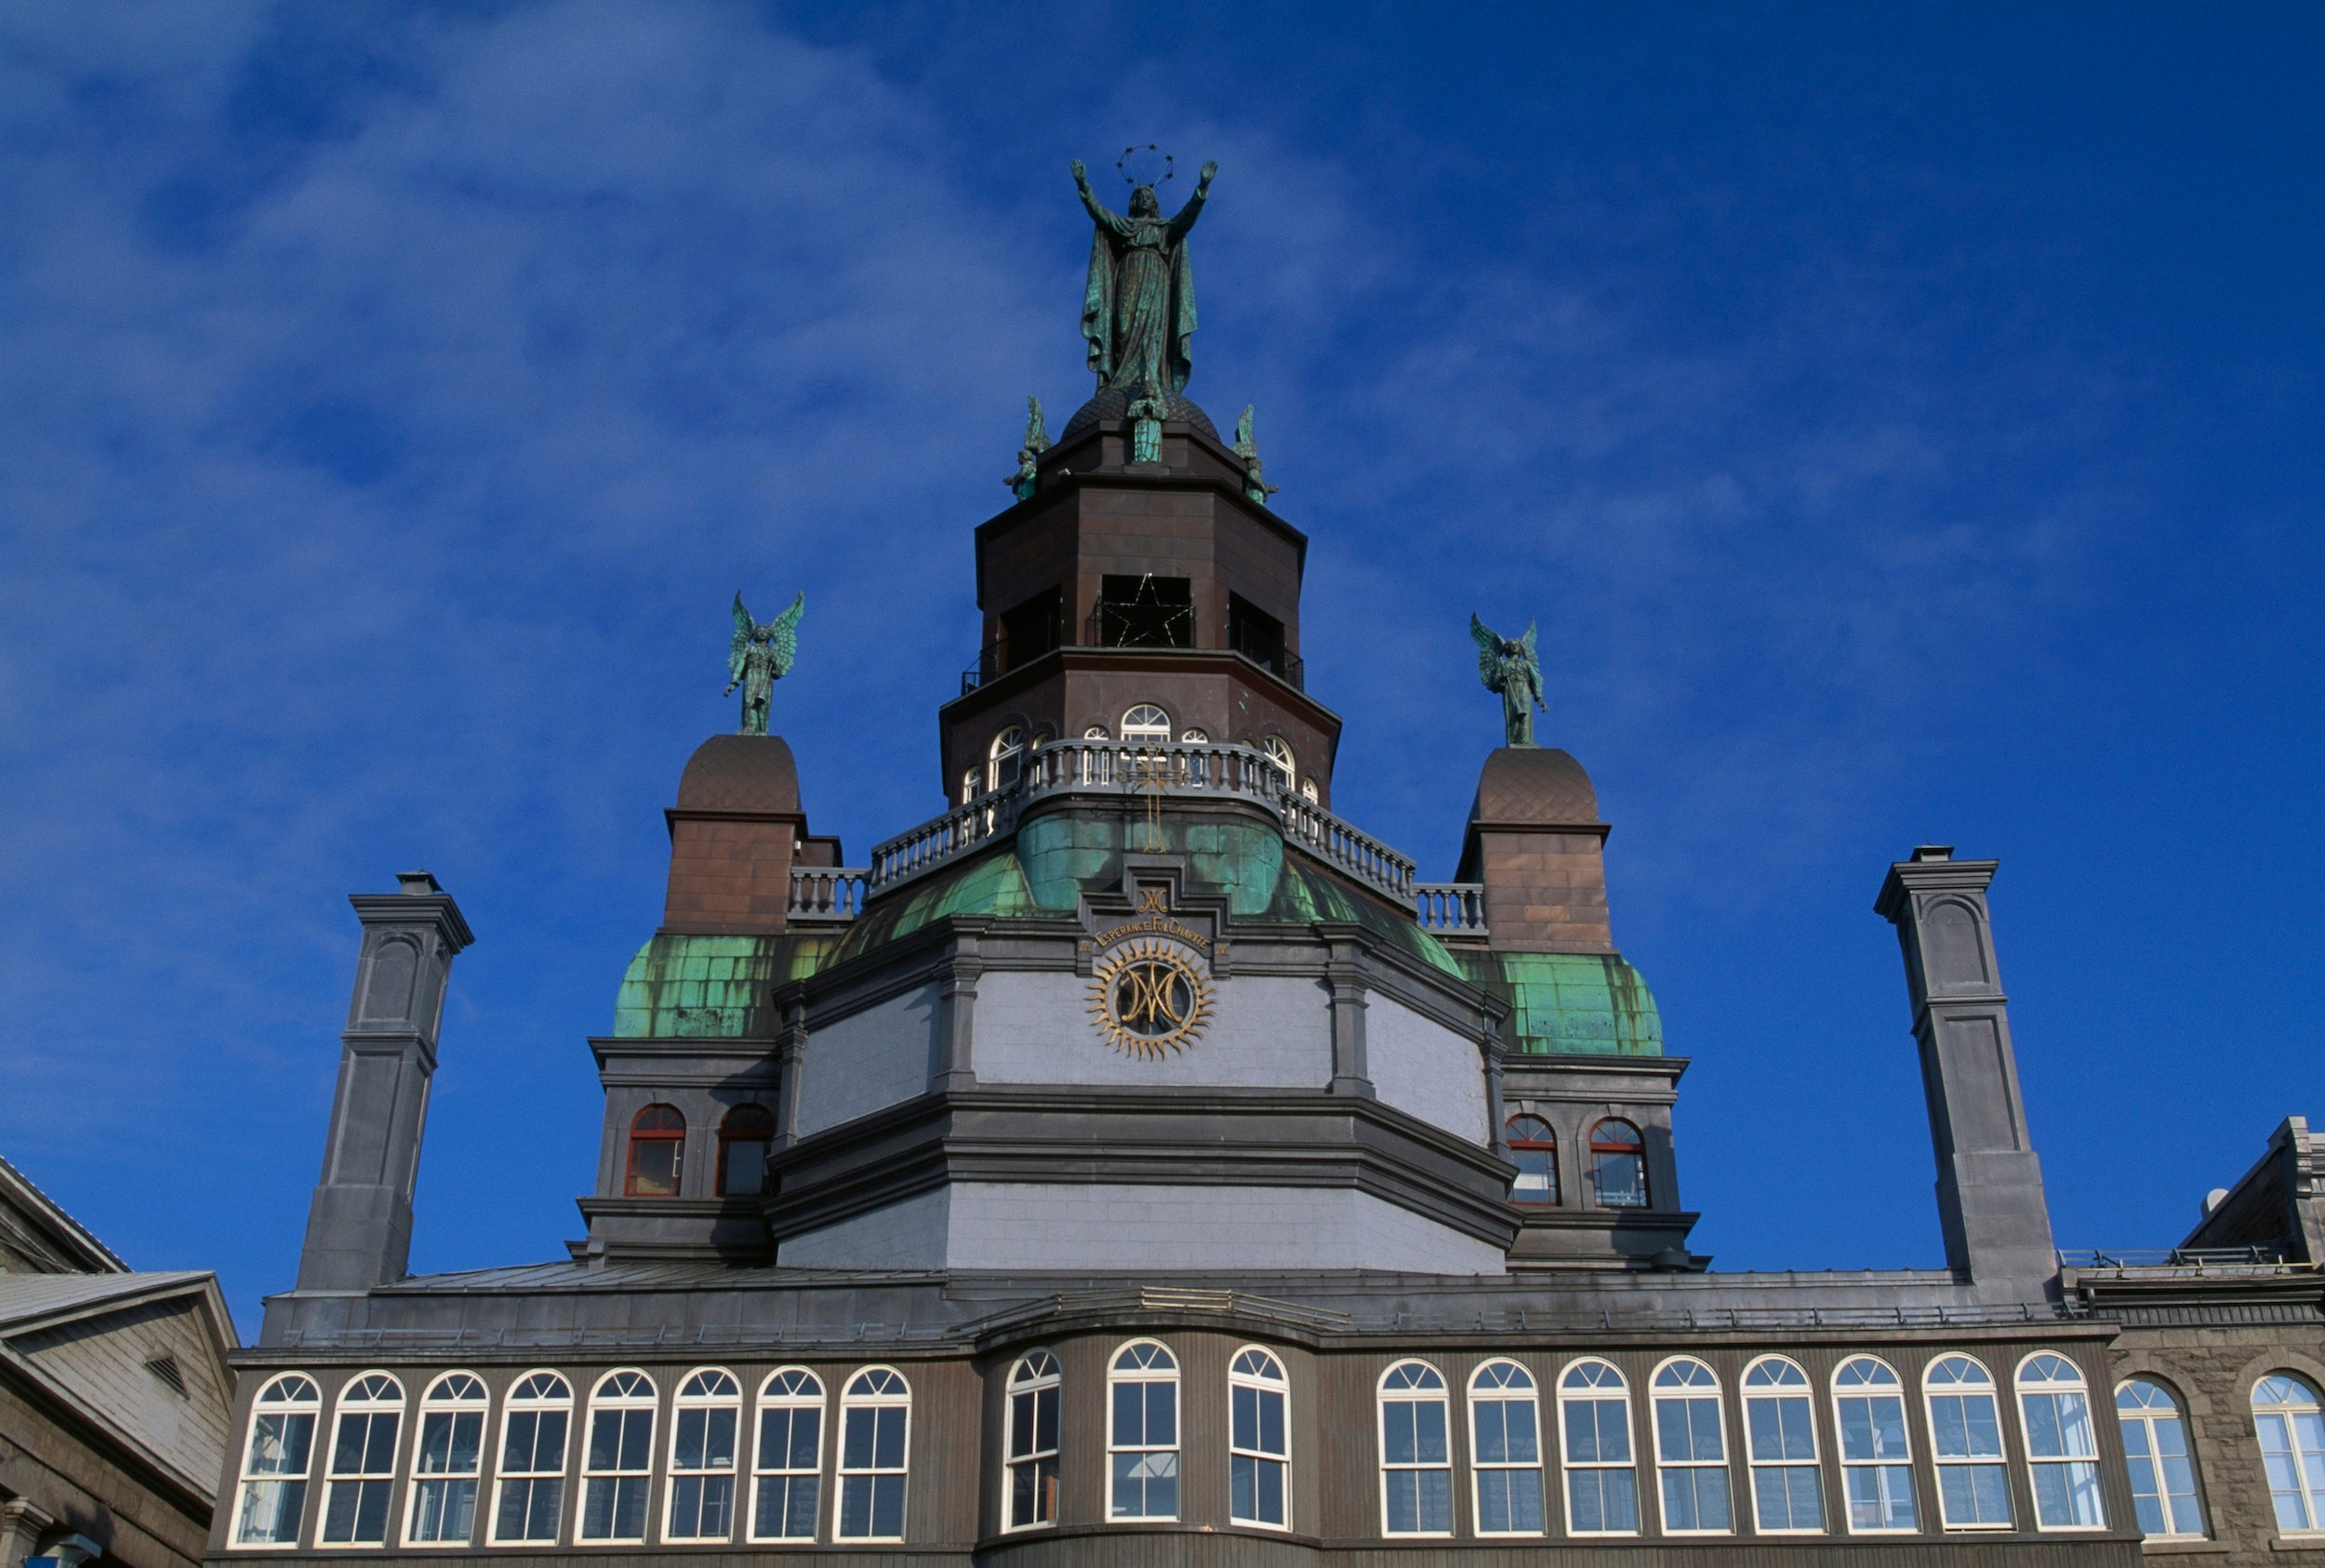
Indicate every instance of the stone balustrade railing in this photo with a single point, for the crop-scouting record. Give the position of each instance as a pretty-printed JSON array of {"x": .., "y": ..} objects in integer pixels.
[
  {"x": 1450, "y": 908},
  {"x": 1172, "y": 769},
  {"x": 827, "y": 893}
]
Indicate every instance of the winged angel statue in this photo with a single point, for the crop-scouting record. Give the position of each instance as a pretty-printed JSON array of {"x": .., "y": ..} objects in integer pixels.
[
  {"x": 1509, "y": 666},
  {"x": 759, "y": 656}
]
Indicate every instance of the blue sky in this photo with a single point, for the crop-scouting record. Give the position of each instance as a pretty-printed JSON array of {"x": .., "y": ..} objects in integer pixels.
[{"x": 1904, "y": 422}]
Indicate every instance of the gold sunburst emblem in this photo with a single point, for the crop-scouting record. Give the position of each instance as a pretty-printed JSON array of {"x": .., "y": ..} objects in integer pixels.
[{"x": 1146, "y": 999}]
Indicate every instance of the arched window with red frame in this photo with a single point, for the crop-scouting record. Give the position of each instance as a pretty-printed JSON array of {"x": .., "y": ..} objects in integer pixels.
[
  {"x": 743, "y": 1139},
  {"x": 1534, "y": 1149},
  {"x": 1618, "y": 1165},
  {"x": 658, "y": 1145}
]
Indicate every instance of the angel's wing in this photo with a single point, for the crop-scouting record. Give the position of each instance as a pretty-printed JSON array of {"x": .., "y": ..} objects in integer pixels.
[
  {"x": 742, "y": 644},
  {"x": 783, "y": 634},
  {"x": 1532, "y": 658},
  {"x": 1488, "y": 653}
]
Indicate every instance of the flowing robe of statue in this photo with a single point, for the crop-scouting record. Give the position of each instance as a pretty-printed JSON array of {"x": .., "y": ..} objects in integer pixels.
[{"x": 1138, "y": 306}]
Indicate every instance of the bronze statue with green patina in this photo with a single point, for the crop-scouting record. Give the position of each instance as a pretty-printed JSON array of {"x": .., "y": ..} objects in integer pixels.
[
  {"x": 759, "y": 656},
  {"x": 1138, "y": 306},
  {"x": 1509, "y": 665}
]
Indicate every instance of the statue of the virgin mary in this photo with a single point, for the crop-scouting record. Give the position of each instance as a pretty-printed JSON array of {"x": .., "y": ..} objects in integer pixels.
[{"x": 1138, "y": 309}]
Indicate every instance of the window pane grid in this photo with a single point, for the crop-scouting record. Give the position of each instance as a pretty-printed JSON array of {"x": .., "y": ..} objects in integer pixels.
[
  {"x": 1780, "y": 1432},
  {"x": 447, "y": 1463},
  {"x": 1142, "y": 1433},
  {"x": 1876, "y": 1454},
  {"x": 2291, "y": 1429},
  {"x": 1966, "y": 1444},
  {"x": 617, "y": 1458},
  {"x": 2162, "y": 1470},
  {"x": 1416, "y": 1452},
  {"x": 1601, "y": 1484},
  {"x": 1505, "y": 1451},
  {"x": 532, "y": 1485},
  {"x": 1031, "y": 1460},
  {"x": 1258, "y": 1442},
  {"x": 703, "y": 1425},
  {"x": 1691, "y": 1451},
  {"x": 787, "y": 1463},
  {"x": 276, "y": 1462},
  {"x": 2062, "y": 1451},
  {"x": 362, "y": 1475},
  {"x": 875, "y": 1415}
]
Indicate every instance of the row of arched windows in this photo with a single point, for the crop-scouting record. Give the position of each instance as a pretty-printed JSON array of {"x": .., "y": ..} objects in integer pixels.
[
  {"x": 725, "y": 1481},
  {"x": 657, "y": 1151},
  {"x": 1617, "y": 1170},
  {"x": 1588, "y": 1456},
  {"x": 1144, "y": 723}
]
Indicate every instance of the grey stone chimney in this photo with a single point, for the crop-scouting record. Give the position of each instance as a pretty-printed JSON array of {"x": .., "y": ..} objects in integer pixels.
[
  {"x": 359, "y": 1227},
  {"x": 1989, "y": 1181}
]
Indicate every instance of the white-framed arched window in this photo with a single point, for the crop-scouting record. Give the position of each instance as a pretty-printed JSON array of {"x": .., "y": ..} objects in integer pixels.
[
  {"x": 787, "y": 1466},
  {"x": 1594, "y": 1417},
  {"x": 1097, "y": 732},
  {"x": 2291, "y": 1427},
  {"x": 1505, "y": 1449},
  {"x": 1036, "y": 1387},
  {"x": 1004, "y": 758},
  {"x": 1780, "y": 1434},
  {"x": 1618, "y": 1165},
  {"x": 618, "y": 1457},
  {"x": 1309, "y": 793},
  {"x": 2062, "y": 1447},
  {"x": 1142, "y": 1432},
  {"x": 276, "y": 1462},
  {"x": 970, "y": 779},
  {"x": 1277, "y": 751},
  {"x": 447, "y": 1462},
  {"x": 1196, "y": 736},
  {"x": 1966, "y": 1444},
  {"x": 1259, "y": 1440},
  {"x": 702, "y": 1430},
  {"x": 1415, "y": 1451},
  {"x": 1691, "y": 1450},
  {"x": 1146, "y": 725},
  {"x": 534, "y": 1426},
  {"x": 1876, "y": 1454},
  {"x": 875, "y": 1422},
  {"x": 360, "y": 1481},
  {"x": 2163, "y": 1468}
]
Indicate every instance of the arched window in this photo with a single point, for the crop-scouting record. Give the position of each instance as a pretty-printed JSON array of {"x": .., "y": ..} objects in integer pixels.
[
  {"x": 1691, "y": 1450},
  {"x": 1146, "y": 726},
  {"x": 1505, "y": 1451},
  {"x": 1142, "y": 1434},
  {"x": 1618, "y": 1165},
  {"x": 1780, "y": 1431},
  {"x": 1196, "y": 738},
  {"x": 1309, "y": 793},
  {"x": 2062, "y": 1450},
  {"x": 362, "y": 1475},
  {"x": 1004, "y": 758},
  {"x": 1966, "y": 1441},
  {"x": 1279, "y": 750},
  {"x": 1097, "y": 732},
  {"x": 275, "y": 1462},
  {"x": 2292, "y": 1450},
  {"x": 1875, "y": 1458},
  {"x": 1259, "y": 1453},
  {"x": 788, "y": 1461},
  {"x": 969, "y": 781},
  {"x": 1031, "y": 1463},
  {"x": 2164, "y": 1471},
  {"x": 875, "y": 1415},
  {"x": 1415, "y": 1451},
  {"x": 658, "y": 1144},
  {"x": 702, "y": 1429},
  {"x": 1534, "y": 1149},
  {"x": 532, "y": 1431},
  {"x": 1601, "y": 1487},
  {"x": 448, "y": 1462},
  {"x": 743, "y": 1139},
  {"x": 618, "y": 1462}
]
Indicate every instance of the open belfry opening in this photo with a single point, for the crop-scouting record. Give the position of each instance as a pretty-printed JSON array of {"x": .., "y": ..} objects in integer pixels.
[{"x": 1138, "y": 1147}]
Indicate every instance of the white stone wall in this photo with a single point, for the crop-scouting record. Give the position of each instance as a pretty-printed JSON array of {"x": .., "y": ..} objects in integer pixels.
[
  {"x": 1425, "y": 1068},
  {"x": 1264, "y": 1032},
  {"x": 878, "y": 1057}
]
